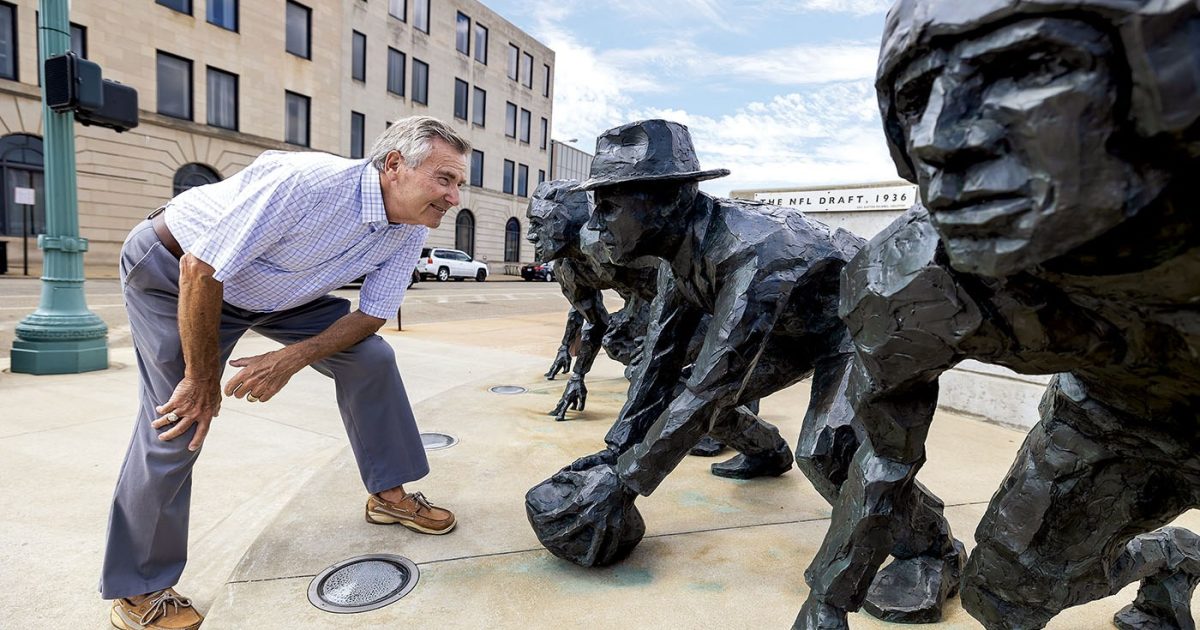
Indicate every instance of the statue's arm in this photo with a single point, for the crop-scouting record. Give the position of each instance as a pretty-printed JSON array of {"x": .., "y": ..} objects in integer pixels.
[
  {"x": 589, "y": 304},
  {"x": 562, "y": 359}
]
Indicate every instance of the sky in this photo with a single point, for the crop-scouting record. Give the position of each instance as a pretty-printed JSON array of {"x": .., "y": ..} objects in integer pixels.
[{"x": 780, "y": 92}]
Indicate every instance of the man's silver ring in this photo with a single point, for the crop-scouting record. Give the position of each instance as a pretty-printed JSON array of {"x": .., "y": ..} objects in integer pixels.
[
  {"x": 172, "y": 417},
  {"x": 251, "y": 398}
]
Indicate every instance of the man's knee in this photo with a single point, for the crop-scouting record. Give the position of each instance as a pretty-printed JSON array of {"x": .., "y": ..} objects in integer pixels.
[{"x": 372, "y": 355}]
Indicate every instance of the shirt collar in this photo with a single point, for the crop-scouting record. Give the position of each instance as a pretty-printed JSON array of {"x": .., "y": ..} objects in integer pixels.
[{"x": 372, "y": 196}]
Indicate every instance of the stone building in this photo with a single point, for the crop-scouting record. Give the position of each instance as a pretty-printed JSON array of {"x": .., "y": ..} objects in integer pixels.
[{"x": 220, "y": 81}]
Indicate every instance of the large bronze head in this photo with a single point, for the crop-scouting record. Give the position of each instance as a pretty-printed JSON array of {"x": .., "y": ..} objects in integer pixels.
[
  {"x": 1034, "y": 126},
  {"x": 556, "y": 214}
]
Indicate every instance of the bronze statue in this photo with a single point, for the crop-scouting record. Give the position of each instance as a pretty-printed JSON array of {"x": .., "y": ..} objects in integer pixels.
[{"x": 1054, "y": 143}]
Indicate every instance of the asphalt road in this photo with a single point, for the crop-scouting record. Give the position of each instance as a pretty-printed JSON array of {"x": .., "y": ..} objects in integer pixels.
[{"x": 426, "y": 302}]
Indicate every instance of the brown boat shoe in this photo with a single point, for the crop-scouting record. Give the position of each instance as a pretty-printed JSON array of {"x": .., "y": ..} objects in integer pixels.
[
  {"x": 161, "y": 610},
  {"x": 414, "y": 511}
]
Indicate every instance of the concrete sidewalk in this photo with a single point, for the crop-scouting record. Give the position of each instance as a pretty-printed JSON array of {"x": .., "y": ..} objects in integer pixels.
[{"x": 276, "y": 499}]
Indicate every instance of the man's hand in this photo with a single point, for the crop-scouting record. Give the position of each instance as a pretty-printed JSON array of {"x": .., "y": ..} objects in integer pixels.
[
  {"x": 574, "y": 397},
  {"x": 194, "y": 402},
  {"x": 262, "y": 376},
  {"x": 562, "y": 363}
]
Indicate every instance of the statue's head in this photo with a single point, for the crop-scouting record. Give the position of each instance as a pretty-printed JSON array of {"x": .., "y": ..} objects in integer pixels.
[
  {"x": 645, "y": 177},
  {"x": 556, "y": 214},
  {"x": 1035, "y": 126}
]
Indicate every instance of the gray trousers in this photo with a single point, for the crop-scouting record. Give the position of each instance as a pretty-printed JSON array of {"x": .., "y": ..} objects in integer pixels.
[{"x": 148, "y": 526}]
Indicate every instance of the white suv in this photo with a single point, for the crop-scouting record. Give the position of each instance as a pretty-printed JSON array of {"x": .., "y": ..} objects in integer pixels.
[{"x": 444, "y": 264}]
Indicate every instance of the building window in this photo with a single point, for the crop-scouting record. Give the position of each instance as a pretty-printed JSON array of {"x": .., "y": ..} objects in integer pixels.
[
  {"x": 421, "y": 15},
  {"x": 192, "y": 175},
  {"x": 358, "y": 125},
  {"x": 299, "y": 30},
  {"x": 462, "y": 34},
  {"x": 479, "y": 113},
  {"x": 420, "y": 82},
  {"x": 514, "y": 54},
  {"x": 398, "y": 9},
  {"x": 174, "y": 86},
  {"x": 509, "y": 167},
  {"x": 546, "y": 85},
  {"x": 523, "y": 180},
  {"x": 460, "y": 99},
  {"x": 358, "y": 64},
  {"x": 222, "y": 99},
  {"x": 510, "y": 120},
  {"x": 223, "y": 13},
  {"x": 527, "y": 69},
  {"x": 8, "y": 41},
  {"x": 464, "y": 232},
  {"x": 525, "y": 124},
  {"x": 395, "y": 71},
  {"x": 79, "y": 40},
  {"x": 182, "y": 6},
  {"x": 477, "y": 168},
  {"x": 21, "y": 167},
  {"x": 512, "y": 240},
  {"x": 481, "y": 39},
  {"x": 295, "y": 126},
  {"x": 541, "y": 175},
  {"x": 545, "y": 133}
]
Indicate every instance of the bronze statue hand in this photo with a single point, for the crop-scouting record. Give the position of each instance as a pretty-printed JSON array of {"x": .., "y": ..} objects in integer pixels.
[
  {"x": 574, "y": 397},
  {"x": 562, "y": 364}
]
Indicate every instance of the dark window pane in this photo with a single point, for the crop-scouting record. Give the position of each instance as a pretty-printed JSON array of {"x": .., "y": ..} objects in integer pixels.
[
  {"x": 223, "y": 13},
  {"x": 509, "y": 167},
  {"x": 358, "y": 65},
  {"x": 546, "y": 85},
  {"x": 514, "y": 54},
  {"x": 222, "y": 99},
  {"x": 398, "y": 9},
  {"x": 464, "y": 234},
  {"x": 174, "y": 86},
  {"x": 481, "y": 43},
  {"x": 523, "y": 180},
  {"x": 510, "y": 120},
  {"x": 395, "y": 72},
  {"x": 183, "y": 6},
  {"x": 525, "y": 123},
  {"x": 527, "y": 69},
  {"x": 460, "y": 99},
  {"x": 8, "y": 41},
  {"x": 545, "y": 133},
  {"x": 462, "y": 34},
  {"x": 477, "y": 168},
  {"x": 192, "y": 175},
  {"x": 512, "y": 240},
  {"x": 541, "y": 175},
  {"x": 297, "y": 118},
  {"x": 299, "y": 30},
  {"x": 421, "y": 15},
  {"x": 420, "y": 82},
  {"x": 358, "y": 124},
  {"x": 79, "y": 40},
  {"x": 479, "y": 112}
]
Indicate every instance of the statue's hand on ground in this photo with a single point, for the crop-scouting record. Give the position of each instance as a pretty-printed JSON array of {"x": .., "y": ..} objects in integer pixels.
[
  {"x": 585, "y": 514},
  {"x": 574, "y": 397},
  {"x": 562, "y": 364}
]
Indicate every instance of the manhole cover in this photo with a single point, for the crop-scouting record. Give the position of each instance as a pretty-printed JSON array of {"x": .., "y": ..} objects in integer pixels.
[
  {"x": 436, "y": 441},
  {"x": 363, "y": 583},
  {"x": 508, "y": 389}
]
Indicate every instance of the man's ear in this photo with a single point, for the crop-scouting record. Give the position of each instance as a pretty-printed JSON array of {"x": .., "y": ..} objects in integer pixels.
[{"x": 392, "y": 161}]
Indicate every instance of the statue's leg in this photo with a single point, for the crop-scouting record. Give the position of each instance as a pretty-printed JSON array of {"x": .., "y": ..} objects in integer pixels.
[
  {"x": 1064, "y": 527},
  {"x": 762, "y": 452},
  {"x": 863, "y": 527}
]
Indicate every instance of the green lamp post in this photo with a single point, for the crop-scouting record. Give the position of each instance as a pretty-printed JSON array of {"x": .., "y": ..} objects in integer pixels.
[{"x": 62, "y": 336}]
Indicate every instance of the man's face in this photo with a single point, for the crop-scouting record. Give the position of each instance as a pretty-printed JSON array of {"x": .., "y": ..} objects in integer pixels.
[
  {"x": 1009, "y": 133},
  {"x": 423, "y": 195},
  {"x": 631, "y": 218}
]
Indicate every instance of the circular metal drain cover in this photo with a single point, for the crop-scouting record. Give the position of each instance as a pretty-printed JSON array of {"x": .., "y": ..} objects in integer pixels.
[
  {"x": 363, "y": 583},
  {"x": 508, "y": 389},
  {"x": 433, "y": 441}
]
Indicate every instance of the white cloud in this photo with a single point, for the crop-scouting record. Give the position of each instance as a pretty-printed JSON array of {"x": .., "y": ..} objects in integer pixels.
[{"x": 855, "y": 7}]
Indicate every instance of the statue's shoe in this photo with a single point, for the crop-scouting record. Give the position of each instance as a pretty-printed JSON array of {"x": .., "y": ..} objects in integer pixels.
[
  {"x": 914, "y": 590},
  {"x": 770, "y": 464},
  {"x": 819, "y": 616},
  {"x": 708, "y": 446}
]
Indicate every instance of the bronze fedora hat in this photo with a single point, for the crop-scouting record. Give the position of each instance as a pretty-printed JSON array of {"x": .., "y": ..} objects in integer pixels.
[{"x": 646, "y": 151}]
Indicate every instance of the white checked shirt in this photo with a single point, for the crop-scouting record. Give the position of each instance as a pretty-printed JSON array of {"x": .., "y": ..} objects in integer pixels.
[{"x": 292, "y": 227}]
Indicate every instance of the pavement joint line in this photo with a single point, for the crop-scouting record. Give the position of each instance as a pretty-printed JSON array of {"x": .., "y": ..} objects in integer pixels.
[
  {"x": 291, "y": 426},
  {"x": 64, "y": 426}
]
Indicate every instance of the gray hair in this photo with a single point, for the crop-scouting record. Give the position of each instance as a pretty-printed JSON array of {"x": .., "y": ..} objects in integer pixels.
[{"x": 413, "y": 138}]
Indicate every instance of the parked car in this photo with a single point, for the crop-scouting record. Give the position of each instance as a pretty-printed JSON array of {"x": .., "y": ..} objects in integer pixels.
[
  {"x": 443, "y": 264},
  {"x": 538, "y": 271}
]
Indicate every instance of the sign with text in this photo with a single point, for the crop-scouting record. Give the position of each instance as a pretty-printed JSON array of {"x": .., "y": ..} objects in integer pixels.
[
  {"x": 24, "y": 196},
  {"x": 866, "y": 198}
]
